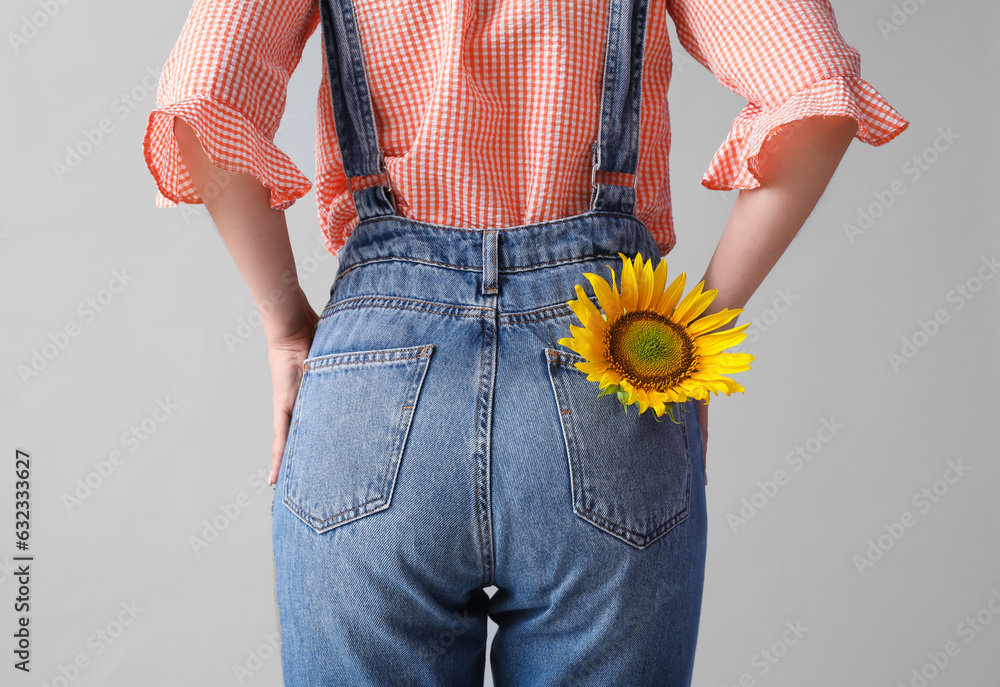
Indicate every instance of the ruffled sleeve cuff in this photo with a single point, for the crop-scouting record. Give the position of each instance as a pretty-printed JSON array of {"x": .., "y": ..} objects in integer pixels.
[
  {"x": 735, "y": 164},
  {"x": 231, "y": 141}
]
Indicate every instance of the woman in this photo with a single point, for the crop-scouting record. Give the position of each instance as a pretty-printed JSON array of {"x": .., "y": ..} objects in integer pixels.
[{"x": 432, "y": 437}]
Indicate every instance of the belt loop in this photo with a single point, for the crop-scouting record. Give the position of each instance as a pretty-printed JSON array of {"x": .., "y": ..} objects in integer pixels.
[{"x": 490, "y": 268}]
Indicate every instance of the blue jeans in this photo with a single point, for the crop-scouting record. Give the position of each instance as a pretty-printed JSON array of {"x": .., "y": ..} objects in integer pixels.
[{"x": 443, "y": 442}]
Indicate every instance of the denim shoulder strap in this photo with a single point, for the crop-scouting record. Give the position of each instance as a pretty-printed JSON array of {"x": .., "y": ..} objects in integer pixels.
[
  {"x": 353, "y": 116},
  {"x": 616, "y": 149}
]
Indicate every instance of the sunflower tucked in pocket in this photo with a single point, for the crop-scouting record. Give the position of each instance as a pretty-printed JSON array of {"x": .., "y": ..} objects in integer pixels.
[{"x": 649, "y": 346}]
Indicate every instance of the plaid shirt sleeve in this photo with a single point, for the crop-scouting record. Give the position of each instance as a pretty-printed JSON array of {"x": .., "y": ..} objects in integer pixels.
[
  {"x": 789, "y": 60},
  {"x": 227, "y": 76}
]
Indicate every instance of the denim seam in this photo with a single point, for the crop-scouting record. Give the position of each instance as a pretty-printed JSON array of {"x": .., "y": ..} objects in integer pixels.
[
  {"x": 558, "y": 310},
  {"x": 569, "y": 428},
  {"x": 299, "y": 509},
  {"x": 561, "y": 261},
  {"x": 587, "y": 214},
  {"x": 406, "y": 258},
  {"x": 478, "y": 268},
  {"x": 397, "y": 307},
  {"x": 422, "y": 353},
  {"x": 376, "y": 302},
  {"x": 528, "y": 316},
  {"x": 483, "y": 482},
  {"x": 647, "y": 539},
  {"x": 399, "y": 440},
  {"x": 479, "y": 516},
  {"x": 572, "y": 440},
  {"x": 541, "y": 319},
  {"x": 516, "y": 318}
]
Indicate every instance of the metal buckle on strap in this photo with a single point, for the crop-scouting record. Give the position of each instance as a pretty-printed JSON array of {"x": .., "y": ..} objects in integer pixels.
[
  {"x": 383, "y": 169},
  {"x": 593, "y": 178}
]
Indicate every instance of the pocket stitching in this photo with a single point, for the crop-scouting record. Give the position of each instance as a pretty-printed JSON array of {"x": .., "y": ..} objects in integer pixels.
[
  {"x": 385, "y": 355},
  {"x": 410, "y": 399},
  {"x": 557, "y": 357}
]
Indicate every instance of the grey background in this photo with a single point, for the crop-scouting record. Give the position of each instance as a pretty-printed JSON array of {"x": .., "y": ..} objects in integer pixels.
[{"x": 197, "y": 615}]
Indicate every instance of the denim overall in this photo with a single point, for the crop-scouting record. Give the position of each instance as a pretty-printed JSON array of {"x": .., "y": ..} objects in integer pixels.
[{"x": 443, "y": 442}]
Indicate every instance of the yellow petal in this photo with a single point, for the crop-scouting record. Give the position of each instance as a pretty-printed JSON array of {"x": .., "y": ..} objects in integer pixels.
[
  {"x": 588, "y": 336},
  {"x": 713, "y": 382},
  {"x": 645, "y": 277},
  {"x": 725, "y": 363},
  {"x": 657, "y": 397},
  {"x": 573, "y": 345},
  {"x": 677, "y": 395},
  {"x": 631, "y": 394},
  {"x": 585, "y": 309},
  {"x": 710, "y": 322},
  {"x": 737, "y": 359},
  {"x": 668, "y": 299},
  {"x": 610, "y": 377},
  {"x": 606, "y": 296},
  {"x": 693, "y": 304},
  {"x": 592, "y": 367},
  {"x": 720, "y": 384},
  {"x": 717, "y": 342},
  {"x": 588, "y": 351},
  {"x": 697, "y": 307},
  {"x": 630, "y": 287},
  {"x": 659, "y": 281},
  {"x": 685, "y": 302}
]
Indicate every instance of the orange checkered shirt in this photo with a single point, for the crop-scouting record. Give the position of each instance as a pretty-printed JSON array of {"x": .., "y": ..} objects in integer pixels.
[{"x": 486, "y": 111}]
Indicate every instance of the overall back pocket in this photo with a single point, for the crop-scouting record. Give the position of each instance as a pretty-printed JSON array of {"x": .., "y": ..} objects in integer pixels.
[
  {"x": 349, "y": 427},
  {"x": 630, "y": 473}
]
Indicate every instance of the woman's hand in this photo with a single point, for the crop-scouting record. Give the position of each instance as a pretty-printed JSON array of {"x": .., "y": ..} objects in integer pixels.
[{"x": 285, "y": 353}]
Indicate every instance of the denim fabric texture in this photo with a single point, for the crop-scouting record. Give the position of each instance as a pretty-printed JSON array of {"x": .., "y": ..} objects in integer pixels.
[{"x": 443, "y": 442}]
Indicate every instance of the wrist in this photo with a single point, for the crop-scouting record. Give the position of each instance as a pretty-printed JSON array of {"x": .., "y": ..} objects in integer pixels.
[{"x": 286, "y": 315}]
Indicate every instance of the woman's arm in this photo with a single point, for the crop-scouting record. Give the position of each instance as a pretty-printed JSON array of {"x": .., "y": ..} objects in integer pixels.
[
  {"x": 795, "y": 165},
  {"x": 257, "y": 238}
]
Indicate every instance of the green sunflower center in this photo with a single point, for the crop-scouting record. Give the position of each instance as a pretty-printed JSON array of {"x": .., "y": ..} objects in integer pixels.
[{"x": 649, "y": 350}]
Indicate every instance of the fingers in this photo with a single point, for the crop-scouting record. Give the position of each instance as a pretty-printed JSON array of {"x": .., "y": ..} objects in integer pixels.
[
  {"x": 277, "y": 450},
  {"x": 282, "y": 421},
  {"x": 284, "y": 404},
  {"x": 286, "y": 358}
]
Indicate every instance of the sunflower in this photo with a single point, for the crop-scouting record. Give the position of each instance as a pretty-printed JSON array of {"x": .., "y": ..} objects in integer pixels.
[{"x": 647, "y": 347}]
